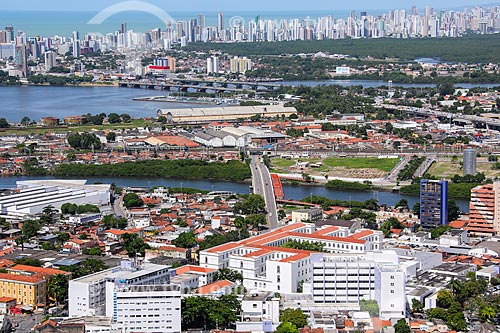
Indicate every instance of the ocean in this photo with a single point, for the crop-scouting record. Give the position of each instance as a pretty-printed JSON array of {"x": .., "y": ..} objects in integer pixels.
[{"x": 63, "y": 23}]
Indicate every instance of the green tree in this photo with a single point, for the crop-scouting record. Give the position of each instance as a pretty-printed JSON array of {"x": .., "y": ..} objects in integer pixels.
[
  {"x": 57, "y": 288},
  {"x": 4, "y": 123},
  {"x": 240, "y": 223},
  {"x": 4, "y": 224},
  {"x": 114, "y": 118},
  {"x": 84, "y": 141},
  {"x": 256, "y": 220},
  {"x": 444, "y": 298},
  {"x": 439, "y": 231},
  {"x": 391, "y": 223},
  {"x": 453, "y": 211},
  {"x": 112, "y": 222},
  {"x": 253, "y": 204},
  {"x": 456, "y": 321},
  {"x": 487, "y": 313},
  {"x": 25, "y": 121},
  {"x": 94, "y": 251},
  {"x": 30, "y": 228},
  {"x": 63, "y": 237},
  {"x": 131, "y": 200},
  {"x": 416, "y": 209},
  {"x": 111, "y": 137},
  {"x": 402, "y": 326},
  {"x": 28, "y": 262},
  {"x": 47, "y": 246},
  {"x": 207, "y": 313},
  {"x": 86, "y": 267},
  {"x": 294, "y": 316},
  {"x": 125, "y": 118},
  {"x": 446, "y": 88},
  {"x": 438, "y": 313},
  {"x": 416, "y": 305},
  {"x": 370, "y": 306},
  {"x": 185, "y": 240},
  {"x": 228, "y": 274},
  {"x": 281, "y": 214},
  {"x": 286, "y": 327},
  {"x": 48, "y": 213},
  {"x": 69, "y": 208},
  {"x": 403, "y": 203},
  {"x": 134, "y": 245}
]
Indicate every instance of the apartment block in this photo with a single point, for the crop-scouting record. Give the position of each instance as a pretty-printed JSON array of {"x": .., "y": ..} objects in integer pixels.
[
  {"x": 88, "y": 294},
  {"x": 144, "y": 308},
  {"x": 484, "y": 213}
]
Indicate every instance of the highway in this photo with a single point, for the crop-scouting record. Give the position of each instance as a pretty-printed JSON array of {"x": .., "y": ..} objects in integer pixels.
[{"x": 263, "y": 186}]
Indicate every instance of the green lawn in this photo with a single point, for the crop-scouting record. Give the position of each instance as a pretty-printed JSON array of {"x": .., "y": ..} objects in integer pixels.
[
  {"x": 383, "y": 164},
  {"x": 134, "y": 123}
]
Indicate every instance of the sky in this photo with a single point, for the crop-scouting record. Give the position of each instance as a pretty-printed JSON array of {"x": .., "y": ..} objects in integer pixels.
[{"x": 239, "y": 5}]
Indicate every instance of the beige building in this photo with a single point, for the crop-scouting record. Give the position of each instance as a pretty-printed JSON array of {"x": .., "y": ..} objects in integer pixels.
[
  {"x": 302, "y": 215},
  {"x": 205, "y": 115}
]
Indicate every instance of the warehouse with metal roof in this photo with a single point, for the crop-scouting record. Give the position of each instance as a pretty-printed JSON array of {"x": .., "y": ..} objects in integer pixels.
[{"x": 227, "y": 113}]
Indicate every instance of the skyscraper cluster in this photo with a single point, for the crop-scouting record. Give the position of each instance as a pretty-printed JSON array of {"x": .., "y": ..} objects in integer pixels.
[{"x": 396, "y": 23}]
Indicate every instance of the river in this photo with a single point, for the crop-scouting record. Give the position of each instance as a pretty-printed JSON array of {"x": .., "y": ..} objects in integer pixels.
[
  {"x": 291, "y": 192},
  {"x": 45, "y": 101}
]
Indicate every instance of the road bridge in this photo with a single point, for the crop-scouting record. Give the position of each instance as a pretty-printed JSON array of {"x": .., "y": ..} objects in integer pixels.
[
  {"x": 263, "y": 186},
  {"x": 456, "y": 118}
]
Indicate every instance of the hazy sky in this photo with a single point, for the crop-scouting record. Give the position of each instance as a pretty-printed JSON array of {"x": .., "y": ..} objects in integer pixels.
[{"x": 243, "y": 5}]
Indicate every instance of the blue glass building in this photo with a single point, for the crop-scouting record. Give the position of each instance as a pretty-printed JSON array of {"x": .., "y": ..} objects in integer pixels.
[{"x": 433, "y": 203}]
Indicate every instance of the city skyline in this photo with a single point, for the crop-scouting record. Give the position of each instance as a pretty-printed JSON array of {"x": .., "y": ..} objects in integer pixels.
[{"x": 225, "y": 5}]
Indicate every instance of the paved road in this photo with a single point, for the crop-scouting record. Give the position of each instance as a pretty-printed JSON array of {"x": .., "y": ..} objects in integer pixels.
[
  {"x": 263, "y": 186},
  {"x": 393, "y": 175},
  {"x": 24, "y": 323},
  {"x": 118, "y": 207}
]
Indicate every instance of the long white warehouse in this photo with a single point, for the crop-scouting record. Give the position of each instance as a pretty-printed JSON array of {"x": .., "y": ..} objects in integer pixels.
[{"x": 32, "y": 196}]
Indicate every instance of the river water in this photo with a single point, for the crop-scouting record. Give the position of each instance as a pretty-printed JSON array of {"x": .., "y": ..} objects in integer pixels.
[
  {"x": 45, "y": 101},
  {"x": 291, "y": 192}
]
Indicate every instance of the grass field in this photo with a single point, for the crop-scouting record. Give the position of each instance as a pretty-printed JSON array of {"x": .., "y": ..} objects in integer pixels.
[
  {"x": 134, "y": 123},
  {"x": 446, "y": 169},
  {"x": 385, "y": 165},
  {"x": 382, "y": 164}
]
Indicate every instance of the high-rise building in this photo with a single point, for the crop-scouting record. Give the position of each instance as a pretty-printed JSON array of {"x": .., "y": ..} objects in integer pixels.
[
  {"x": 484, "y": 213},
  {"x": 10, "y": 34},
  {"x": 3, "y": 36},
  {"x": 22, "y": 59},
  {"x": 50, "y": 60},
  {"x": 76, "y": 49},
  {"x": 212, "y": 65},
  {"x": 470, "y": 161},
  {"x": 123, "y": 28},
  {"x": 348, "y": 278},
  {"x": 132, "y": 309},
  {"x": 433, "y": 203},
  {"x": 220, "y": 22},
  {"x": 88, "y": 295}
]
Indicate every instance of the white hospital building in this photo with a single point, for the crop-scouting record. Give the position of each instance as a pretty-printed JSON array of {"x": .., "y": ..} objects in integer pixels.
[{"x": 354, "y": 266}]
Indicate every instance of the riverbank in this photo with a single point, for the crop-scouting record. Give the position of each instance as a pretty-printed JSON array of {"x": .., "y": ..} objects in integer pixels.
[{"x": 297, "y": 192}]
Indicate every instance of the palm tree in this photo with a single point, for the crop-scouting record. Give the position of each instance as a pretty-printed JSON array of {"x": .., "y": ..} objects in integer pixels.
[
  {"x": 487, "y": 313},
  {"x": 455, "y": 285},
  {"x": 57, "y": 288}
]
